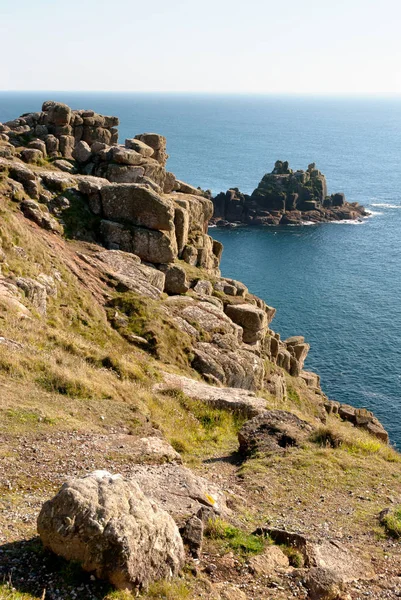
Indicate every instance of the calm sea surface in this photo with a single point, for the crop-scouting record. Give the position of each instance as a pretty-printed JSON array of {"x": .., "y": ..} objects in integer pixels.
[{"x": 337, "y": 284}]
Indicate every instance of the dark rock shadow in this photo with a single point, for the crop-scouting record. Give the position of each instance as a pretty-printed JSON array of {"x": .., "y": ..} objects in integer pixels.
[
  {"x": 235, "y": 458},
  {"x": 27, "y": 567}
]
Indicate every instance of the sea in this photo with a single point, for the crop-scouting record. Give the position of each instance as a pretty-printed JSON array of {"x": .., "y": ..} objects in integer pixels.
[{"x": 337, "y": 284}]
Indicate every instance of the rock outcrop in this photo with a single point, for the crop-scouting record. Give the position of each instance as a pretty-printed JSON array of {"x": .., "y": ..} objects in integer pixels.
[
  {"x": 141, "y": 207},
  {"x": 285, "y": 197},
  {"x": 68, "y": 173},
  {"x": 112, "y": 529}
]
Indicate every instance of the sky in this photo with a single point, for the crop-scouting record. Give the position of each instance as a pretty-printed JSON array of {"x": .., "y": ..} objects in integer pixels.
[{"x": 342, "y": 47}]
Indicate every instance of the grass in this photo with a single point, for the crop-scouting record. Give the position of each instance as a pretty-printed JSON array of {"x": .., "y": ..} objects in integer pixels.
[
  {"x": 232, "y": 538},
  {"x": 294, "y": 556},
  {"x": 353, "y": 441},
  {"x": 392, "y": 522},
  {"x": 192, "y": 427},
  {"x": 77, "y": 374},
  {"x": 146, "y": 318}
]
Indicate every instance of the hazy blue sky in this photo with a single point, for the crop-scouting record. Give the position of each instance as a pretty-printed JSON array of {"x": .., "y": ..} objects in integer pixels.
[{"x": 268, "y": 46}]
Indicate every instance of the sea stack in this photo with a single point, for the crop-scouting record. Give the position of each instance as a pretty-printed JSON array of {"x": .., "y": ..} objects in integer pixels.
[{"x": 285, "y": 197}]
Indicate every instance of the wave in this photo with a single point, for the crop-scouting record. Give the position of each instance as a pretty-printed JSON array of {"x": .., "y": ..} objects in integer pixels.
[
  {"x": 373, "y": 213},
  {"x": 346, "y": 222},
  {"x": 301, "y": 223},
  {"x": 385, "y": 205}
]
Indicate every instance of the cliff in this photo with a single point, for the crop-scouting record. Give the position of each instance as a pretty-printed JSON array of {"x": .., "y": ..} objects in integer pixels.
[
  {"x": 285, "y": 197},
  {"x": 123, "y": 351}
]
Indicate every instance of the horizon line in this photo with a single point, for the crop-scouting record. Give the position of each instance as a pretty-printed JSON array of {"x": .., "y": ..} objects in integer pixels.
[{"x": 215, "y": 93}]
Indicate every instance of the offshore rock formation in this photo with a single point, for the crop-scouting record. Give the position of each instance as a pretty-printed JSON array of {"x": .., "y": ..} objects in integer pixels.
[{"x": 285, "y": 197}]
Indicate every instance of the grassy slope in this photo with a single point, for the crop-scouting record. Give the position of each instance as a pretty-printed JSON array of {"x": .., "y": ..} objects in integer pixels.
[{"x": 77, "y": 385}]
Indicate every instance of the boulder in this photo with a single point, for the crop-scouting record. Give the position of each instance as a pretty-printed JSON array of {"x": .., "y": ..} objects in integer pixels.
[
  {"x": 186, "y": 188},
  {"x": 140, "y": 147},
  {"x": 33, "y": 211},
  {"x": 156, "y": 450},
  {"x": 10, "y": 299},
  {"x": 348, "y": 566},
  {"x": 228, "y": 591},
  {"x": 210, "y": 318},
  {"x": 176, "y": 279},
  {"x": 123, "y": 156},
  {"x": 35, "y": 292},
  {"x": 65, "y": 166},
  {"x": 203, "y": 287},
  {"x": 158, "y": 143},
  {"x": 229, "y": 364},
  {"x": 136, "y": 204},
  {"x": 23, "y": 175},
  {"x": 7, "y": 151},
  {"x": 273, "y": 431},
  {"x": 190, "y": 255},
  {"x": 253, "y": 320},
  {"x": 324, "y": 584},
  {"x": 192, "y": 534},
  {"x": 66, "y": 145},
  {"x": 58, "y": 114},
  {"x": 52, "y": 145},
  {"x": 124, "y": 173},
  {"x": 82, "y": 152},
  {"x": 232, "y": 399},
  {"x": 108, "y": 525},
  {"x": 179, "y": 491},
  {"x": 273, "y": 558}
]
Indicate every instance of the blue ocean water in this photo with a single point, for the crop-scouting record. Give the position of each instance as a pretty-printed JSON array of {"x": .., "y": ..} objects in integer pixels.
[{"x": 337, "y": 284}]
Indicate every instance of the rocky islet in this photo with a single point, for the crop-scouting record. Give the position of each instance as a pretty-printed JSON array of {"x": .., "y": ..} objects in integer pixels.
[{"x": 285, "y": 197}]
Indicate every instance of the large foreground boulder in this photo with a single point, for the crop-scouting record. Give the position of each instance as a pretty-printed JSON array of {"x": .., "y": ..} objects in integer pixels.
[{"x": 107, "y": 524}]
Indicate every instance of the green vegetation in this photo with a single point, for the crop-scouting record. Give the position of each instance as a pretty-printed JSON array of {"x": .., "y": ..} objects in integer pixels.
[
  {"x": 79, "y": 221},
  {"x": 132, "y": 314},
  {"x": 230, "y": 537},
  {"x": 294, "y": 556},
  {"x": 192, "y": 427},
  {"x": 392, "y": 522}
]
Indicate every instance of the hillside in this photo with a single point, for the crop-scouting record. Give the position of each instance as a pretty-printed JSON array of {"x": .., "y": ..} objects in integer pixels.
[{"x": 123, "y": 349}]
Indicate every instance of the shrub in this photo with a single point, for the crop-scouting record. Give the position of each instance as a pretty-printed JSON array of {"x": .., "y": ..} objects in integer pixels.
[{"x": 327, "y": 437}]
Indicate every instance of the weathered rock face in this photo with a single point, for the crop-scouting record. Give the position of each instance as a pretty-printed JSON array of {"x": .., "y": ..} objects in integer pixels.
[
  {"x": 127, "y": 273},
  {"x": 253, "y": 321},
  {"x": 141, "y": 194},
  {"x": 285, "y": 197},
  {"x": 359, "y": 417},
  {"x": 108, "y": 525},
  {"x": 235, "y": 400},
  {"x": 136, "y": 204}
]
